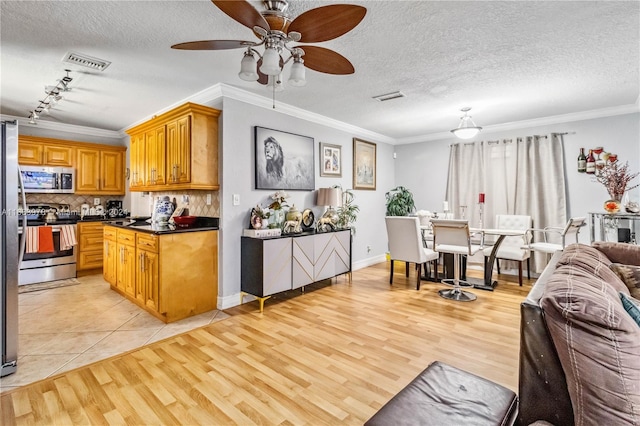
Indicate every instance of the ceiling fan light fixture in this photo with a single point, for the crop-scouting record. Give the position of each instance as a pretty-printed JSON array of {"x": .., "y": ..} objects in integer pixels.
[
  {"x": 297, "y": 77},
  {"x": 248, "y": 68},
  {"x": 270, "y": 62},
  {"x": 467, "y": 129}
]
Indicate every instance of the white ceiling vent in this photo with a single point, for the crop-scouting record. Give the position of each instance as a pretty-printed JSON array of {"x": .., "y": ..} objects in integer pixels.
[
  {"x": 389, "y": 96},
  {"x": 86, "y": 61}
]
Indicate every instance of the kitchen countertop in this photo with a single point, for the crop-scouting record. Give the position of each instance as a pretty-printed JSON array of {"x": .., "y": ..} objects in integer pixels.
[{"x": 202, "y": 224}]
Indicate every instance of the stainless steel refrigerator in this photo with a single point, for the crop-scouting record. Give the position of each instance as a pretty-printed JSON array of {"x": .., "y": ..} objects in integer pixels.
[{"x": 9, "y": 247}]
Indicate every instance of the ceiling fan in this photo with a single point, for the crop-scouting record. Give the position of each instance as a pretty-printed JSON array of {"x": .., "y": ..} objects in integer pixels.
[{"x": 275, "y": 29}]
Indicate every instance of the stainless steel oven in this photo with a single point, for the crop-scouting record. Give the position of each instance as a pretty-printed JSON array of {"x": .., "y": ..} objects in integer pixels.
[{"x": 56, "y": 265}]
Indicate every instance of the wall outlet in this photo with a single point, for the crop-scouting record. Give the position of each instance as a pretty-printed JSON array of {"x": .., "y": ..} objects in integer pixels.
[
  {"x": 96, "y": 201},
  {"x": 208, "y": 199},
  {"x": 236, "y": 199}
]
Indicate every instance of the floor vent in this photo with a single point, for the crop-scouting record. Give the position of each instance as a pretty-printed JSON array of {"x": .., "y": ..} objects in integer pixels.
[
  {"x": 389, "y": 96},
  {"x": 86, "y": 61}
]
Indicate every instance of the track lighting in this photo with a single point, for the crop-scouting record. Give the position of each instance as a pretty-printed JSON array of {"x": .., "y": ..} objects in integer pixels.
[{"x": 52, "y": 99}]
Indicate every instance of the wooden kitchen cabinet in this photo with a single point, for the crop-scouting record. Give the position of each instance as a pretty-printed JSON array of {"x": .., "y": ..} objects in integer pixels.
[
  {"x": 155, "y": 158},
  {"x": 45, "y": 152},
  {"x": 126, "y": 266},
  {"x": 100, "y": 170},
  {"x": 90, "y": 245},
  {"x": 110, "y": 259},
  {"x": 137, "y": 154},
  {"x": 188, "y": 158},
  {"x": 175, "y": 274}
]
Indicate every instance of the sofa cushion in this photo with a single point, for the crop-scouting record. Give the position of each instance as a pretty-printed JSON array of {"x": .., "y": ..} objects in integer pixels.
[
  {"x": 627, "y": 254},
  {"x": 632, "y": 306},
  {"x": 630, "y": 275},
  {"x": 594, "y": 262},
  {"x": 598, "y": 344}
]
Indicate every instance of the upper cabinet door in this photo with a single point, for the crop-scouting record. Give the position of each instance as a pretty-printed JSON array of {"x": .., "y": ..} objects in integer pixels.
[
  {"x": 137, "y": 176},
  {"x": 61, "y": 156},
  {"x": 155, "y": 156},
  {"x": 88, "y": 171},
  {"x": 179, "y": 150},
  {"x": 112, "y": 172},
  {"x": 30, "y": 153}
]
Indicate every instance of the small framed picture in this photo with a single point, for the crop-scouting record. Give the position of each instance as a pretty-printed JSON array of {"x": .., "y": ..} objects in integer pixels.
[
  {"x": 330, "y": 160},
  {"x": 364, "y": 164}
]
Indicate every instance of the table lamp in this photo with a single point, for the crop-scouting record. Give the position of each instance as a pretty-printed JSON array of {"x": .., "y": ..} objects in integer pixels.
[{"x": 330, "y": 197}]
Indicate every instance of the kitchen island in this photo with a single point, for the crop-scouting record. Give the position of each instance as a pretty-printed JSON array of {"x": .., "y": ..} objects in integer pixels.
[{"x": 169, "y": 271}]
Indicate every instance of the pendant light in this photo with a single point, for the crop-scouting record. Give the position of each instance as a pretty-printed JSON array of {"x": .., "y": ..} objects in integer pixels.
[{"x": 467, "y": 128}]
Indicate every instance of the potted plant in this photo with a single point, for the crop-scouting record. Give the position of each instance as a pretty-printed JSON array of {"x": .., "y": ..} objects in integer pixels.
[
  {"x": 347, "y": 211},
  {"x": 399, "y": 202}
]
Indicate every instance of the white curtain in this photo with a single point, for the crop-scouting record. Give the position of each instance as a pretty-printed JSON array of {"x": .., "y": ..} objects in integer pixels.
[{"x": 523, "y": 176}]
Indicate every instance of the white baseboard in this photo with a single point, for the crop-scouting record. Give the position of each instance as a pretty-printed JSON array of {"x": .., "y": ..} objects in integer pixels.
[{"x": 368, "y": 262}]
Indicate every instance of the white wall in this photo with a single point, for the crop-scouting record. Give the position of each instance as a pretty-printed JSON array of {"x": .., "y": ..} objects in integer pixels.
[
  {"x": 237, "y": 154},
  {"x": 422, "y": 167}
]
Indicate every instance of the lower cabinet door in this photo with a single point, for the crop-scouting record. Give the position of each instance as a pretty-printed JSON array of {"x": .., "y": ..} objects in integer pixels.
[
  {"x": 303, "y": 261},
  {"x": 332, "y": 254},
  {"x": 110, "y": 262},
  {"x": 126, "y": 270},
  {"x": 276, "y": 264},
  {"x": 147, "y": 280}
]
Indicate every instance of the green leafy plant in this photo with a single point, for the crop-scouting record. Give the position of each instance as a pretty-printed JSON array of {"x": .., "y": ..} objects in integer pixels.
[
  {"x": 399, "y": 202},
  {"x": 347, "y": 211}
]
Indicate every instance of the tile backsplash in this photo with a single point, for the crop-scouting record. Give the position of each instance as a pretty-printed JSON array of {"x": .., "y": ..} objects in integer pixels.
[
  {"x": 197, "y": 201},
  {"x": 74, "y": 200}
]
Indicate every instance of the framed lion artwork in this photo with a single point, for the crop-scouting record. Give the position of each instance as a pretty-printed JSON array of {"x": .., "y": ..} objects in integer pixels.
[{"x": 283, "y": 160}]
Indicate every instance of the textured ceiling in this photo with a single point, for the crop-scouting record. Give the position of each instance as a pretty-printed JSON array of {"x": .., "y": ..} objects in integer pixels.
[{"x": 510, "y": 61}]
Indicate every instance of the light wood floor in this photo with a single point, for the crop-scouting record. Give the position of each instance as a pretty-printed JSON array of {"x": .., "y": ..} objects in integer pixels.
[{"x": 333, "y": 355}]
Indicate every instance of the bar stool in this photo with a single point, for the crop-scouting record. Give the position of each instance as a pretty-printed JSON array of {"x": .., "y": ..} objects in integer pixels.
[{"x": 452, "y": 236}]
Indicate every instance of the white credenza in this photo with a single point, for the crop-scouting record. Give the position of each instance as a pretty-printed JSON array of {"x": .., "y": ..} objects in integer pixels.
[{"x": 274, "y": 265}]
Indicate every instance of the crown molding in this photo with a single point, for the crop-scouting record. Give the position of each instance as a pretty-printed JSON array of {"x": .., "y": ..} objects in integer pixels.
[
  {"x": 238, "y": 94},
  {"x": 68, "y": 128},
  {"x": 536, "y": 122}
]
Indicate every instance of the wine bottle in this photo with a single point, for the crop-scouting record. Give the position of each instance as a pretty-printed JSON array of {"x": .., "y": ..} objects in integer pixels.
[
  {"x": 582, "y": 162},
  {"x": 591, "y": 163}
]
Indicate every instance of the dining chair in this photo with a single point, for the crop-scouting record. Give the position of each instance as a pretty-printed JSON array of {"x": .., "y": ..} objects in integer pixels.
[
  {"x": 511, "y": 246},
  {"x": 405, "y": 244},
  {"x": 563, "y": 234},
  {"x": 453, "y": 237}
]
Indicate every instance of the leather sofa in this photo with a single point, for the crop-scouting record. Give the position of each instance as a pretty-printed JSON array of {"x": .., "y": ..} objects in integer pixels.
[{"x": 580, "y": 349}]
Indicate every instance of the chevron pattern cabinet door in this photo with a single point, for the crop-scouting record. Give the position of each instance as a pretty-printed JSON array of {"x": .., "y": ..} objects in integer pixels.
[
  {"x": 332, "y": 254},
  {"x": 303, "y": 261},
  {"x": 277, "y": 265}
]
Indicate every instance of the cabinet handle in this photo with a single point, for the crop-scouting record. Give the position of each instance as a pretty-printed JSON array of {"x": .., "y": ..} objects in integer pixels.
[
  {"x": 121, "y": 255},
  {"x": 143, "y": 260},
  {"x": 175, "y": 170}
]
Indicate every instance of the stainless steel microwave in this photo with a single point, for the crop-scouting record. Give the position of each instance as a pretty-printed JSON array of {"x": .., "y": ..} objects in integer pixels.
[{"x": 36, "y": 179}]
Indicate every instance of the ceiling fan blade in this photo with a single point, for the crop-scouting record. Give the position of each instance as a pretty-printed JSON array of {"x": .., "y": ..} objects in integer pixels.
[
  {"x": 212, "y": 45},
  {"x": 242, "y": 12},
  {"x": 326, "y": 61},
  {"x": 327, "y": 22}
]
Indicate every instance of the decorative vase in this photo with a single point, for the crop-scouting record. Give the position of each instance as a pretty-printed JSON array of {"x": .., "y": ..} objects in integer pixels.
[
  {"x": 614, "y": 204},
  {"x": 164, "y": 209},
  {"x": 277, "y": 219},
  {"x": 294, "y": 214}
]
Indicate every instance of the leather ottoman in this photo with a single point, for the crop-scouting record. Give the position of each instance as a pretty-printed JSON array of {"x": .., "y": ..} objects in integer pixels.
[{"x": 444, "y": 395}]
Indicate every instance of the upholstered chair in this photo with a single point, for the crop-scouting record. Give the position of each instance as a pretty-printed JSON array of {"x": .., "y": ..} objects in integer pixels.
[
  {"x": 405, "y": 244},
  {"x": 511, "y": 246}
]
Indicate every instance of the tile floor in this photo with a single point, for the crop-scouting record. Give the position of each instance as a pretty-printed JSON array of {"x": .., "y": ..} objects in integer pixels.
[{"x": 68, "y": 327}]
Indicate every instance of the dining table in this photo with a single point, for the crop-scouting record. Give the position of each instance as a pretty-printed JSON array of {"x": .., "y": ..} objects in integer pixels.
[{"x": 486, "y": 283}]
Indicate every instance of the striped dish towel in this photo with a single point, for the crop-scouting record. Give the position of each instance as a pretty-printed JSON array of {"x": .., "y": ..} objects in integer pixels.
[
  {"x": 32, "y": 239},
  {"x": 67, "y": 237}
]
